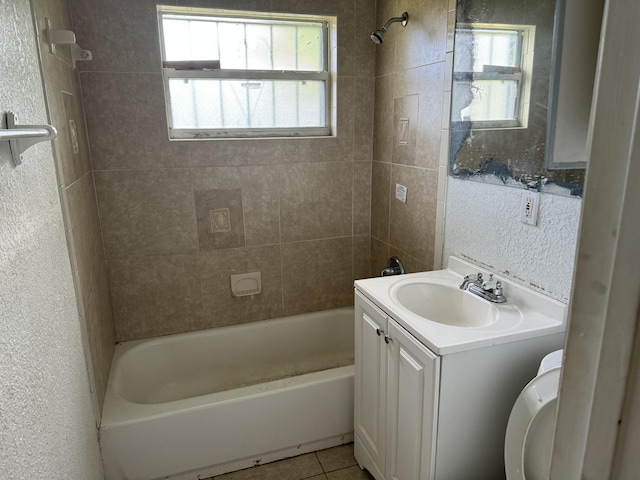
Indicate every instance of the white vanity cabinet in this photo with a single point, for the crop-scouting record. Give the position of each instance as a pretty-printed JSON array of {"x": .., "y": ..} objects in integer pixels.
[
  {"x": 426, "y": 416},
  {"x": 396, "y": 394}
]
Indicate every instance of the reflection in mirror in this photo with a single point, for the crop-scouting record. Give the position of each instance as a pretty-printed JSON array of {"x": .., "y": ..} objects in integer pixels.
[
  {"x": 492, "y": 79},
  {"x": 500, "y": 95}
]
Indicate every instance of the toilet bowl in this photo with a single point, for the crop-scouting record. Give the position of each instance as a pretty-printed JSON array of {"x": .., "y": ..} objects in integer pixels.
[{"x": 527, "y": 449}]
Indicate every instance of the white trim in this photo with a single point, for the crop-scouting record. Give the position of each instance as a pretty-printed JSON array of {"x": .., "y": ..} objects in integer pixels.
[
  {"x": 606, "y": 294},
  {"x": 327, "y": 76}
]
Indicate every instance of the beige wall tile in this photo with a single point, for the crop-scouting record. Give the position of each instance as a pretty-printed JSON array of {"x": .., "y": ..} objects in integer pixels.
[
  {"x": 259, "y": 185},
  {"x": 380, "y": 197},
  {"x": 122, "y": 35},
  {"x": 91, "y": 280},
  {"x": 127, "y": 122},
  {"x": 317, "y": 275},
  {"x": 363, "y": 119},
  {"x": 155, "y": 295},
  {"x": 212, "y": 153},
  {"x": 427, "y": 82},
  {"x": 78, "y": 199},
  {"x": 77, "y": 160},
  {"x": 383, "y": 121},
  {"x": 379, "y": 256},
  {"x": 220, "y": 218},
  {"x": 346, "y": 31},
  {"x": 386, "y": 53},
  {"x": 412, "y": 224},
  {"x": 340, "y": 148},
  {"x": 61, "y": 144},
  {"x": 423, "y": 41},
  {"x": 316, "y": 201},
  {"x": 216, "y": 268},
  {"x": 362, "y": 198},
  {"x": 147, "y": 212},
  {"x": 57, "y": 11},
  {"x": 361, "y": 257},
  {"x": 405, "y": 129},
  {"x": 308, "y": 150},
  {"x": 411, "y": 264},
  {"x": 438, "y": 252},
  {"x": 364, "y": 61}
]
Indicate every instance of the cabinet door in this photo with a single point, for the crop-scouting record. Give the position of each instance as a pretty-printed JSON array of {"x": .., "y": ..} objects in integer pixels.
[
  {"x": 370, "y": 385},
  {"x": 412, "y": 394}
]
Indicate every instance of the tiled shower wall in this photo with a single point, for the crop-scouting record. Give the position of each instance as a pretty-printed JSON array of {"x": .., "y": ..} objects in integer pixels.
[
  {"x": 412, "y": 72},
  {"x": 300, "y": 208},
  {"x": 78, "y": 198}
]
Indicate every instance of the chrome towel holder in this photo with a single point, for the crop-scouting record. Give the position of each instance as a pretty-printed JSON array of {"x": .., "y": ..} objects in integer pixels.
[{"x": 21, "y": 137}]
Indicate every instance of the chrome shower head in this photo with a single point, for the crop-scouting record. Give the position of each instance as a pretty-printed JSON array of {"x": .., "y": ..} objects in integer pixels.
[{"x": 378, "y": 35}]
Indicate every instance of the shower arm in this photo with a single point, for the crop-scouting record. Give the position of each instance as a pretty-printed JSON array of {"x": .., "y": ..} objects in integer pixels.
[{"x": 404, "y": 18}]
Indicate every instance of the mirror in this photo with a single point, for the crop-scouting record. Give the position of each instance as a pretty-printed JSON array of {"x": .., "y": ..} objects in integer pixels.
[
  {"x": 502, "y": 104},
  {"x": 575, "y": 55}
]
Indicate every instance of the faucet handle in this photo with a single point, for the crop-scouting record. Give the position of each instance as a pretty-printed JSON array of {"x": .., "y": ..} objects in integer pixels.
[{"x": 490, "y": 284}]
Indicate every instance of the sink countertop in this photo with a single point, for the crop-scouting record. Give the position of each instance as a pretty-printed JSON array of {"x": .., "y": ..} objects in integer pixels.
[{"x": 541, "y": 315}]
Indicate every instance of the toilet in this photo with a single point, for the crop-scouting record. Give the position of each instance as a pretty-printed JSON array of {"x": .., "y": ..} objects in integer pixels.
[{"x": 527, "y": 449}]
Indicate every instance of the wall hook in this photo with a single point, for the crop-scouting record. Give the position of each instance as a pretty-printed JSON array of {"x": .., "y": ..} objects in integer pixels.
[{"x": 66, "y": 37}]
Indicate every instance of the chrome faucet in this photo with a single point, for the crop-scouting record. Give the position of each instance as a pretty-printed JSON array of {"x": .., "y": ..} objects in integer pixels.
[
  {"x": 489, "y": 290},
  {"x": 394, "y": 267}
]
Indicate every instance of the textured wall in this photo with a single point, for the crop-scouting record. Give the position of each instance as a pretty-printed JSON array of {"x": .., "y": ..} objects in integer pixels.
[
  {"x": 411, "y": 85},
  {"x": 47, "y": 425},
  {"x": 304, "y": 220},
  {"x": 71, "y": 149},
  {"x": 483, "y": 226}
]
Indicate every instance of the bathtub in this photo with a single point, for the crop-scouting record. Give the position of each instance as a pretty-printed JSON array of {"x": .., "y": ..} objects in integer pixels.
[{"x": 199, "y": 404}]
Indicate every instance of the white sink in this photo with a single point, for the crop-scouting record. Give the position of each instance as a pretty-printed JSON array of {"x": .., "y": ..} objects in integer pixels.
[
  {"x": 445, "y": 304},
  {"x": 431, "y": 306}
]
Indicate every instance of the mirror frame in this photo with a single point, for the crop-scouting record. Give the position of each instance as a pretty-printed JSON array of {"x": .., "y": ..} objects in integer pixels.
[{"x": 573, "y": 68}]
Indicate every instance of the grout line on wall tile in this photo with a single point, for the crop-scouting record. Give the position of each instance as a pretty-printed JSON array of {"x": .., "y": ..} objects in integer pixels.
[
  {"x": 279, "y": 183},
  {"x": 197, "y": 253}
]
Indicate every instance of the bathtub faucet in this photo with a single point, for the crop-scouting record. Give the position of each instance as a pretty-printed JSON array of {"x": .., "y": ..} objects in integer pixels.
[{"x": 394, "y": 267}]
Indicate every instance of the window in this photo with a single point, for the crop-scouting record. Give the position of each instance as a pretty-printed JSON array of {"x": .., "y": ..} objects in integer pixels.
[
  {"x": 230, "y": 74},
  {"x": 492, "y": 65}
]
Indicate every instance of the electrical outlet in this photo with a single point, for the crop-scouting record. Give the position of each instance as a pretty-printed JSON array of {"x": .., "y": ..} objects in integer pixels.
[{"x": 529, "y": 201}]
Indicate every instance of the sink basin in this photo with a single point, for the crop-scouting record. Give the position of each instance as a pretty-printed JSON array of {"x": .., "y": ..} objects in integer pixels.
[{"x": 444, "y": 304}]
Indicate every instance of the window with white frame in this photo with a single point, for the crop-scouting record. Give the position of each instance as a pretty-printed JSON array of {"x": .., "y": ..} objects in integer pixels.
[
  {"x": 230, "y": 74},
  {"x": 492, "y": 75}
]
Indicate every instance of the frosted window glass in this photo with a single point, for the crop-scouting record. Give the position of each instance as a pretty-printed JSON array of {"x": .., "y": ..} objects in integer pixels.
[
  {"x": 493, "y": 100},
  {"x": 217, "y": 104},
  {"x": 245, "y": 44}
]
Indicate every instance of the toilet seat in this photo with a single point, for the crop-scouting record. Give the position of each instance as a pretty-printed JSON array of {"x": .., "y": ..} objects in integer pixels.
[{"x": 527, "y": 450}]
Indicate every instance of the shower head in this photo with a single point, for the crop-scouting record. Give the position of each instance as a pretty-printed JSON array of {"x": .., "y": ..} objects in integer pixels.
[{"x": 378, "y": 35}]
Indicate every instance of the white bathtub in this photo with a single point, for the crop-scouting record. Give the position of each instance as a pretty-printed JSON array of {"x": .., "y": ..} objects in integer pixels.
[{"x": 199, "y": 404}]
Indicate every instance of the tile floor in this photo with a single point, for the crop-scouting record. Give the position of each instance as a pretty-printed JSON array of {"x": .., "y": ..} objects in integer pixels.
[{"x": 335, "y": 463}]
